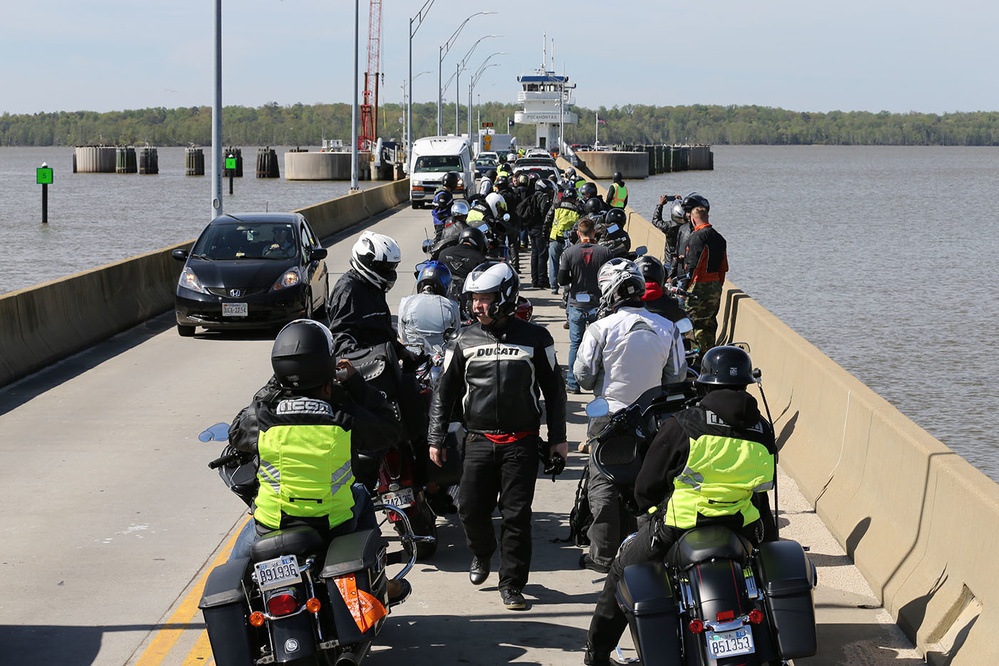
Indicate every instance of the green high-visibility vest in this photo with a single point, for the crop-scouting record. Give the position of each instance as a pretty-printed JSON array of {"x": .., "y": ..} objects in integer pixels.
[
  {"x": 620, "y": 195},
  {"x": 304, "y": 472},
  {"x": 563, "y": 220},
  {"x": 721, "y": 474}
]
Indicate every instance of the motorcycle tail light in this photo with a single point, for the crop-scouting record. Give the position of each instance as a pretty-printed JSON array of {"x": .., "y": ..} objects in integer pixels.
[
  {"x": 257, "y": 619},
  {"x": 696, "y": 626},
  {"x": 313, "y": 605},
  {"x": 726, "y": 616},
  {"x": 282, "y": 604},
  {"x": 755, "y": 616}
]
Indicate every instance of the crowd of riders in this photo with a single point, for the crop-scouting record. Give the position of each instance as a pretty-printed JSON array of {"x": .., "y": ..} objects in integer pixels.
[{"x": 500, "y": 374}]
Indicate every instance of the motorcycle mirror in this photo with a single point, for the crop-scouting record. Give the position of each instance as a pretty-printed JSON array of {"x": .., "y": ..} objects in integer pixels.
[
  {"x": 506, "y": 217},
  {"x": 216, "y": 433},
  {"x": 640, "y": 250},
  {"x": 597, "y": 408},
  {"x": 684, "y": 326},
  {"x": 427, "y": 245}
]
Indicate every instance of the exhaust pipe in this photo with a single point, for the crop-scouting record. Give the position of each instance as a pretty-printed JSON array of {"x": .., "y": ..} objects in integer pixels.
[{"x": 353, "y": 655}]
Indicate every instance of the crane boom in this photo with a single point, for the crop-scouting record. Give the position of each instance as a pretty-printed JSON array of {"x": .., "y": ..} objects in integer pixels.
[{"x": 369, "y": 108}]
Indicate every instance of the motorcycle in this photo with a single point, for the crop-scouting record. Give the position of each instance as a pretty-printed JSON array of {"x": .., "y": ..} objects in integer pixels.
[
  {"x": 295, "y": 599},
  {"x": 715, "y": 599},
  {"x": 391, "y": 476}
]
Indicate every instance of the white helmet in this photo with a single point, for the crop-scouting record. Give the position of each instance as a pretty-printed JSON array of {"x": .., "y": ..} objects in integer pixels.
[
  {"x": 620, "y": 280},
  {"x": 676, "y": 213},
  {"x": 496, "y": 203},
  {"x": 375, "y": 257},
  {"x": 496, "y": 277}
]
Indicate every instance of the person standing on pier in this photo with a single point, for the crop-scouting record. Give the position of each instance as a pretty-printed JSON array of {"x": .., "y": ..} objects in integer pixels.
[
  {"x": 499, "y": 368},
  {"x": 705, "y": 262}
]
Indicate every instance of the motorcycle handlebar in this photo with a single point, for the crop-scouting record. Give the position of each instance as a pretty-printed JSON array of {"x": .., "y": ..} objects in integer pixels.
[{"x": 225, "y": 460}]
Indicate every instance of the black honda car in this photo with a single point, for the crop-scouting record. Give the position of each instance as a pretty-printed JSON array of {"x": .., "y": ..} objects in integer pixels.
[{"x": 253, "y": 270}]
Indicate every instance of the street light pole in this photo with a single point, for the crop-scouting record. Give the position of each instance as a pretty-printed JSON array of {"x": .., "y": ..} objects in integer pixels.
[
  {"x": 354, "y": 187},
  {"x": 473, "y": 81},
  {"x": 217, "y": 118},
  {"x": 422, "y": 14},
  {"x": 441, "y": 52}
]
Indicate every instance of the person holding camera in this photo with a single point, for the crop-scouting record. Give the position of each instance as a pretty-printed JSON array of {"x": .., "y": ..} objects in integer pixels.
[
  {"x": 577, "y": 271},
  {"x": 500, "y": 367}
]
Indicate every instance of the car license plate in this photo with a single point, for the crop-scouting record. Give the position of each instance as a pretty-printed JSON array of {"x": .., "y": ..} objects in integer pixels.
[
  {"x": 234, "y": 310},
  {"x": 400, "y": 500},
  {"x": 730, "y": 643},
  {"x": 278, "y": 572}
]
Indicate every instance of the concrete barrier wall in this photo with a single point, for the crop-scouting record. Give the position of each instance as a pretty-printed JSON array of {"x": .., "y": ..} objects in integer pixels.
[
  {"x": 921, "y": 524},
  {"x": 44, "y": 324},
  {"x": 603, "y": 164}
]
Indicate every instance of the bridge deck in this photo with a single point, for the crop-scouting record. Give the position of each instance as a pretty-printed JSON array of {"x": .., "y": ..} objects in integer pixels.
[{"x": 113, "y": 519}]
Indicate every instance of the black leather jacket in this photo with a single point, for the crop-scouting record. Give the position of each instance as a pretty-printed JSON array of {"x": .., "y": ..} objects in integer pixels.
[
  {"x": 359, "y": 314},
  {"x": 500, "y": 375}
]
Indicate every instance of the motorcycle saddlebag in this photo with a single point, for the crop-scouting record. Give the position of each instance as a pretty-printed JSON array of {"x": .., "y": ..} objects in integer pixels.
[
  {"x": 788, "y": 577},
  {"x": 450, "y": 473},
  {"x": 361, "y": 555},
  {"x": 645, "y": 596},
  {"x": 223, "y": 604}
]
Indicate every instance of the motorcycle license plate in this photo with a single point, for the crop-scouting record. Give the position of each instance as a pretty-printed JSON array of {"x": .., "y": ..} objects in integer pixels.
[
  {"x": 402, "y": 499},
  {"x": 730, "y": 643},
  {"x": 234, "y": 310},
  {"x": 278, "y": 572}
]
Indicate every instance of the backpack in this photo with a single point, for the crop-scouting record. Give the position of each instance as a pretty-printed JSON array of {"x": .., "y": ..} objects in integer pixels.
[{"x": 580, "y": 517}]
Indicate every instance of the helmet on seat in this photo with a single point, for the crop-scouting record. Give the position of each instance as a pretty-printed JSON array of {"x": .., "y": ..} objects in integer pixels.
[
  {"x": 726, "y": 367},
  {"x": 474, "y": 237},
  {"x": 435, "y": 277},
  {"x": 450, "y": 180},
  {"x": 652, "y": 269},
  {"x": 302, "y": 356},
  {"x": 694, "y": 200},
  {"x": 375, "y": 257},
  {"x": 459, "y": 211},
  {"x": 616, "y": 216},
  {"x": 619, "y": 281},
  {"x": 495, "y": 277}
]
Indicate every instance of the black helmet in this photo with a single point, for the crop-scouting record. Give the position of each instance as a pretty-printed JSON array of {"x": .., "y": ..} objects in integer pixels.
[
  {"x": 616, "y": 216},
  {"x": 593, "y": 206},
  {"x": 501, "y": 183},
  {"x": 726, "y": 366},
  {"x": 694, "y": 200},
  {"x": 434, "y": 275},
  {"x": 569, "y": 193},
  {"x": 451, "y": 180},
  {"x": 588, "y": 190},
  {"x": 302, "y": 356},
  {"x": 652, "y": 269},
  {"x": 495, "y": 277},
  {"x": 473, "y": 236},
  {"x": 491, "y": 175},
  {"x": 618, "y": 177},
  {"x": 522, "y": 179}
]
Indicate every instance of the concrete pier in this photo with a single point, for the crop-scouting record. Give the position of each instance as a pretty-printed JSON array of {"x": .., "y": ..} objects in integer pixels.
[{"x": 325, "y": 166}]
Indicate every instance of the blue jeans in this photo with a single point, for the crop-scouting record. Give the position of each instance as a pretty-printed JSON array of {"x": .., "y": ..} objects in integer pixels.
[
  {"x": 364, "y": 518},
  {"x": 577, "y": 326},
  {"x": 555, "y": 250}
]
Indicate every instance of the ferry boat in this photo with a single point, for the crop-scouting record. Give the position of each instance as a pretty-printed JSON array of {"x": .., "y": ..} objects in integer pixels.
[{"x": 547, "y": 100}]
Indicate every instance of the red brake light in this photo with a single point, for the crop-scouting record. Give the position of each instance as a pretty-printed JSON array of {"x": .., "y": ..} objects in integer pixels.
[
  {"x": 755, "y": 616},
  {"x": 696, "y": 626},
  {"x": 282, "y": 604},
  {"x": 726, "y": 616}
]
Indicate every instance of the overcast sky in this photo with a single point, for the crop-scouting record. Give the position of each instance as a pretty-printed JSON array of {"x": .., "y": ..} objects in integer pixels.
[{"x": 870, "y": 55}]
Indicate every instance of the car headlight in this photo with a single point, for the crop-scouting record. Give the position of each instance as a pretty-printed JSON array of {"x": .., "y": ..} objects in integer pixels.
[
  {"x": 189, "y": 280},
  {"x": 290, "y": 278}
]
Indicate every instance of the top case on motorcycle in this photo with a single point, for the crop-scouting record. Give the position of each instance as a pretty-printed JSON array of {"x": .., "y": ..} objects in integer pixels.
[
  {"x": 787, "y": 577},
  {"x": 223, "y": 604},
  {"x": 362, "y": 554},
  {"x": 705, "y": 543}
]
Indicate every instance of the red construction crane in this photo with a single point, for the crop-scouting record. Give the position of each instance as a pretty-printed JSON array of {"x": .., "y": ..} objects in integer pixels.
[{"x": 369, "y": 108}]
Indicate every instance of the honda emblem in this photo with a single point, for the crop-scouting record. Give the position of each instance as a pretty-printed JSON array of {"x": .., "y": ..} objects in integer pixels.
[{"x": 235, "y": 293}]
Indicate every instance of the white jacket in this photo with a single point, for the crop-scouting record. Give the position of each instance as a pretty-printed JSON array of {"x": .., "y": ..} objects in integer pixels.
[{"x": 626, "y": 353}]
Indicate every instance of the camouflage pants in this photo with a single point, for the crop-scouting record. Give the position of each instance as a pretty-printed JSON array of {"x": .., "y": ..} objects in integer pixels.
[{"x": 702, "y": 303}]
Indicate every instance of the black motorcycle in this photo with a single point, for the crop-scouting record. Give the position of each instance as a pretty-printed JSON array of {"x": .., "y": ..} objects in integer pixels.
[
  {"x": 715, "y": 599},
  {"x": 295, "y": 599}
]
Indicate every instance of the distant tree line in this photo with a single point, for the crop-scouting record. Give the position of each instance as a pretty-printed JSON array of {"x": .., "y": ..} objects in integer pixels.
[{"x": 308, "y": 125}]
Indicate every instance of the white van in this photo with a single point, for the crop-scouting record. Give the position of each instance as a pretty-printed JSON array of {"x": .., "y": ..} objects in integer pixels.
[{"x": 432, "y": 157}]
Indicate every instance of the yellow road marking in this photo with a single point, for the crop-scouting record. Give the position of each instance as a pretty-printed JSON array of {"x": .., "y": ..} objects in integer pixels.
[
  {"x": 201, "y": 654},
  {"x": 166, "y": 638}
]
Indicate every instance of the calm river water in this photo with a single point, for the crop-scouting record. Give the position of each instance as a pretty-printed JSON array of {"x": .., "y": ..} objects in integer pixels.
[{"x": 883, "y": 257}]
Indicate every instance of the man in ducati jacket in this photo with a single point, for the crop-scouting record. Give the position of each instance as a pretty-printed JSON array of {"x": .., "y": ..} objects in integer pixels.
[
  {"x": 500, "y": 367},
  {"x": 710, "y": 464}
]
